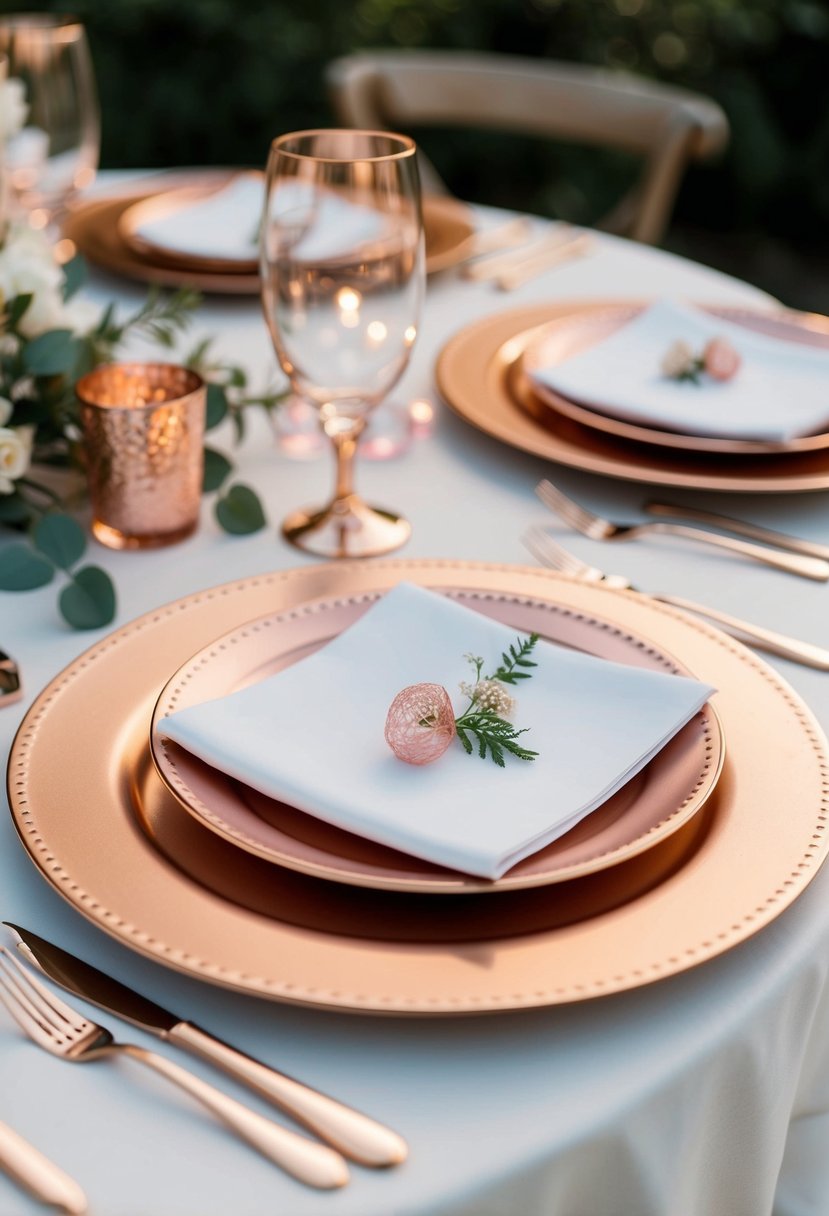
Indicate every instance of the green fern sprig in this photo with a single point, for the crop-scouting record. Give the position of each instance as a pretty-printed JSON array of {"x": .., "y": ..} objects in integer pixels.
[
  {"x": 518, "y": 656},
  {"x": 493, "y": 734}
]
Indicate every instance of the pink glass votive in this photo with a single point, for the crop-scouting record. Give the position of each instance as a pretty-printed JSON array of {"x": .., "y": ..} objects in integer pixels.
[{"x": 143, "y": 427}]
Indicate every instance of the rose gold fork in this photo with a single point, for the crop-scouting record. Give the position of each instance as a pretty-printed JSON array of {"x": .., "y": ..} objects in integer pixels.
[
  {"x": 552, "y": 554},
  {"x": 64, "y": 1032},
  {"x": 599, "y": 528},
  {"x": 741, "y": 527}
]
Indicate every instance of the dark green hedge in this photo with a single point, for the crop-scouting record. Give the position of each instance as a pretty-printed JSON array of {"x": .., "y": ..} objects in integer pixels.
[{"x": 212, "y": 81}]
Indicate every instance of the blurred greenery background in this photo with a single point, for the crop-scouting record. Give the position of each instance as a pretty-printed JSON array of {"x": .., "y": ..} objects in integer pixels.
[{"x": 190, "y": 82}]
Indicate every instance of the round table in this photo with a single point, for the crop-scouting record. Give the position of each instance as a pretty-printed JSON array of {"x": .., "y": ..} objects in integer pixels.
[{"x": 701, "y": 1093}]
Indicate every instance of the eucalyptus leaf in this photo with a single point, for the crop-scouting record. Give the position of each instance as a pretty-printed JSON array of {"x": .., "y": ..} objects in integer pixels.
[
  {"x": 18, "y": 307},
  {"x": 88, "y": 602},
  {"x": 216, "y": 469},
  {"x": 61, "y": 538},
  {"x": 51, "y": 354},
  {"x": 21, "y": 569},
  {"x": 217, "y": 406},
  {"x": 75, "y": 275},
  {"x": 240, "y": 511}
]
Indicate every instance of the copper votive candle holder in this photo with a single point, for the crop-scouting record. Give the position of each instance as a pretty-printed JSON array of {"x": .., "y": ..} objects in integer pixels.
[{"x": 143, "y": 426}]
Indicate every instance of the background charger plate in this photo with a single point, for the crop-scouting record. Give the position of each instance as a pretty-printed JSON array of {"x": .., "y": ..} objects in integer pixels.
[
  {"x": 655, "y": 803},
  {"x": 74, "y": 786},
  {"x": 478, "y": 377},
  {"x": 567, "y": 336},
  {"x": 94, "y": 225}
]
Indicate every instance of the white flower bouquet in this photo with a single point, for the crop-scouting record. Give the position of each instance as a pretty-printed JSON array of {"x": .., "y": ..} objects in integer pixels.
[{"x": 50, "y": 336}]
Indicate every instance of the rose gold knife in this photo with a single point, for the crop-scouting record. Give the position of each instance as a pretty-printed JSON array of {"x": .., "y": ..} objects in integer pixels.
[
  {"x": 354, "y": 1134},
  {"x": 38, "y": 1175}
]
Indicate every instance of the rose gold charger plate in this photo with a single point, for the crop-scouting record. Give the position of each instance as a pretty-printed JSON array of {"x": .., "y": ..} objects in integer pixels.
[
  {"x": 558, "y": 341},
  {"x": 654, "y": 804},
  {"x": 101, "y": 232},
  {"x": 479, "y": 376},
  {"x": 104, "y": 831}
]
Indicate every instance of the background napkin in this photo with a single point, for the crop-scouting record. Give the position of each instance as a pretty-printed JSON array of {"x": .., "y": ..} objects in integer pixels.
[
  {"x": 328, "y": 223},
  {"x": 779, "y": 392},
  {"x": 312, "y": 735},
  {"x": 224, "y": 224}
]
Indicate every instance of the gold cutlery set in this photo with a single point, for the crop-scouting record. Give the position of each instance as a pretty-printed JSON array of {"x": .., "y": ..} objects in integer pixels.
[
  {"x": 492, "y": 256},
  {"x": 61, "y": 1030},
  {"x": 597, "y": 528},
  {"x": 805, "y": 558}
]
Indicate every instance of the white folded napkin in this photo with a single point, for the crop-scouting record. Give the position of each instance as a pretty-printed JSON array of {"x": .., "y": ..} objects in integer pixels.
[
  {"x": 326, "y": 222},
  {"x": 780, "y": 391},
  {"x": 226, "y": 224},
  {"x": 312, "y": 735},
  {"x": 223, "y": 225}
]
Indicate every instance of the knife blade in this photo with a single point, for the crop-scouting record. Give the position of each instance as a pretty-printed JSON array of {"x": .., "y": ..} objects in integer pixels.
[{"x": 353, "y": 1133}]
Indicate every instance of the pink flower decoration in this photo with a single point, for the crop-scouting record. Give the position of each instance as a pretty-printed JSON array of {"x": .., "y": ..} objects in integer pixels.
[
  {"x": 420, "y": 723},
  {"x": 720, "y": 359}
]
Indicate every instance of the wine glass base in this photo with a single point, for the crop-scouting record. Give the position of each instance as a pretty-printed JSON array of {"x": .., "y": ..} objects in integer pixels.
[{"x": 349, "y": 528}]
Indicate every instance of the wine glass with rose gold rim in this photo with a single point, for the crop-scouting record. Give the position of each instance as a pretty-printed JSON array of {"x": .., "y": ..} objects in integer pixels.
[
  {"x": 55, "y": 153},
  {"x": 342, "y": 267}
]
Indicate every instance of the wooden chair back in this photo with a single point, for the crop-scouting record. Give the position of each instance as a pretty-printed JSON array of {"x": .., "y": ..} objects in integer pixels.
[{"x": 667, "y": 127}]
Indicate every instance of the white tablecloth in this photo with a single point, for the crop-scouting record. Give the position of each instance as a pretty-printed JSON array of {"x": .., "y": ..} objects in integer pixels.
[{"x": 703, "y": 1094}]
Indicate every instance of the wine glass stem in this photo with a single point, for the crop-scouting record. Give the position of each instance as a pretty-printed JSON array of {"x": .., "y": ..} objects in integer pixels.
[{"x": 345, "y": 448}]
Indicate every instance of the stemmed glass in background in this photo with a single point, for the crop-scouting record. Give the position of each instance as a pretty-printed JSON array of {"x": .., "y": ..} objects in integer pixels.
[
  {"x": 342, "y": 266},
  {"x": 56, "y": 153}
]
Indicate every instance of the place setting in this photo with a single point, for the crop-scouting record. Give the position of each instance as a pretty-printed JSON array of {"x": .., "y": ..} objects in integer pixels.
[
  {"x": 537, "y": 379},
  {"x": 189, "y": 916},
  {"x": 199, "y": 229}
]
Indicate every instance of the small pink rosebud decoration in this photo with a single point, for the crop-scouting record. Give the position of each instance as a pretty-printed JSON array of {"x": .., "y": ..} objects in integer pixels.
[
  {"x": 720, "y": 359},
  {"x": 420, "y": 723}
]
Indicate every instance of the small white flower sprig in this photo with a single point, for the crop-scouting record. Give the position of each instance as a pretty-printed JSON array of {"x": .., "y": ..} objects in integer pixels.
[
  {"x": 718, "y": 359},
  {"x": 421, "y": 722}
]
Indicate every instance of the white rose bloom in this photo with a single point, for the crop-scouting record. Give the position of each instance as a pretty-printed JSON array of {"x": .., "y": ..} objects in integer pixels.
[
  {"x": 6, "y": 408},
  {"x": 15, "y": 454},
  {"x": 13, "y": 108},
  {"x": 45, "y": 312},
  {"x": 27, "y": 265},
  {"x": 80, "y": 315}
]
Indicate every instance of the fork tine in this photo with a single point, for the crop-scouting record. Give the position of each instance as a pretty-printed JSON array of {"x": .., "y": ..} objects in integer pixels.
[
  {"x": 27, "y": 1021},
  {"x": 42, "y": 1003},
  {"x": 569, "y": 511},
  {"x": 15, "y": 992},
  {"x": 550, "y": 553},
  {"x": 547, "y": 551}
]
